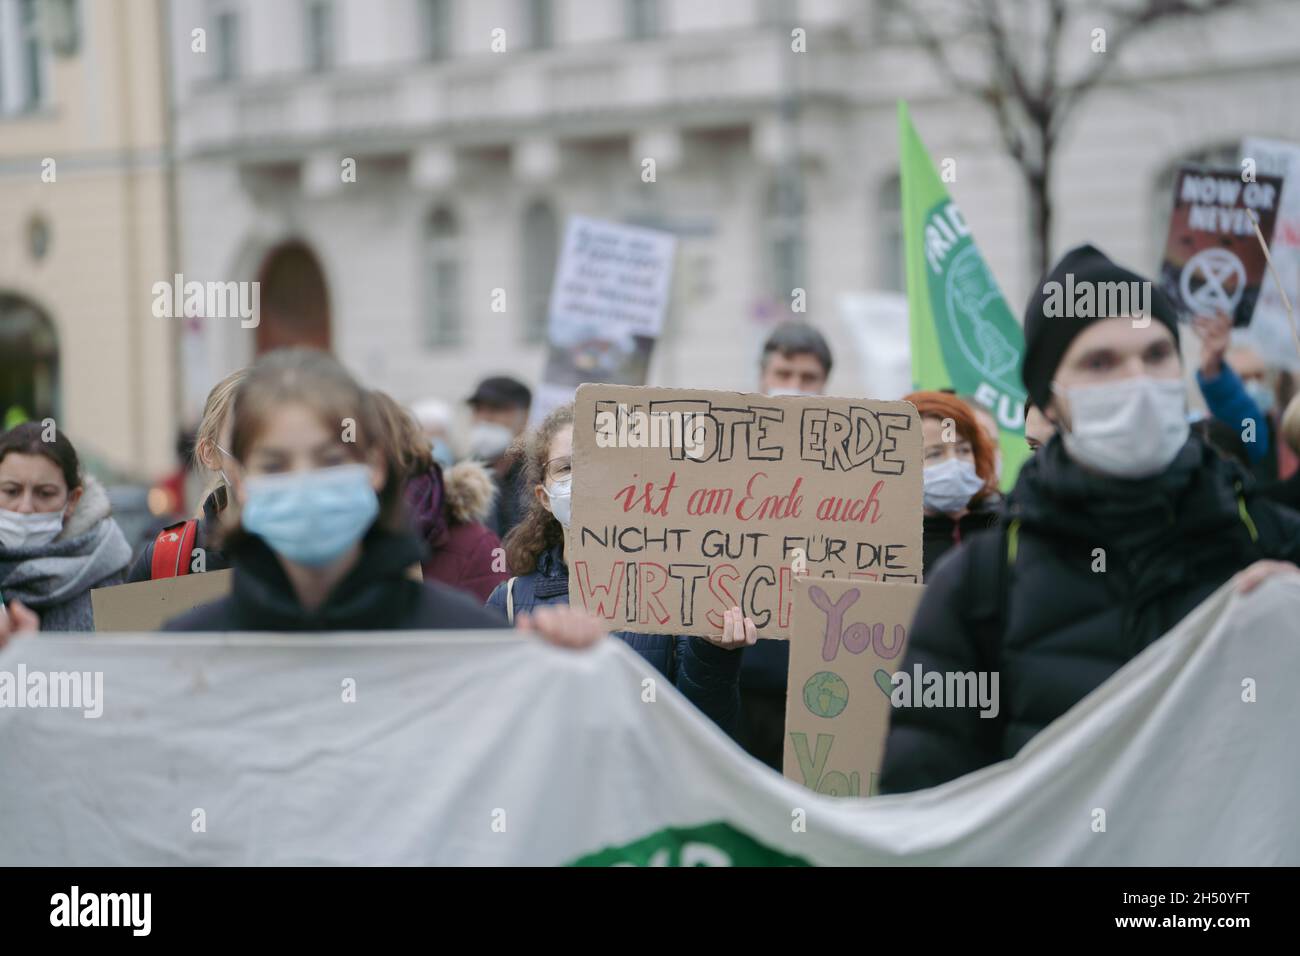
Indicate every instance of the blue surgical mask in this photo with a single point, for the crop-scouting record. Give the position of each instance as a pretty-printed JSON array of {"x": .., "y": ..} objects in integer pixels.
[{"x": 311, "y": 517}]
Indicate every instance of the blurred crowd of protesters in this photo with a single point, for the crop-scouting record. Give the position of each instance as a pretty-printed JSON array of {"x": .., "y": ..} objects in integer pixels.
[{"x": 340, "y": 509}]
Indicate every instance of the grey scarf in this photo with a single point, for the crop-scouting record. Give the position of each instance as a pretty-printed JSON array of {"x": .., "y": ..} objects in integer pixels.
[{"x": 55, "y": 579}]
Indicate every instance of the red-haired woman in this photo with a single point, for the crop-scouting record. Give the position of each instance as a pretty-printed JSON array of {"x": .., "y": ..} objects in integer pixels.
[{"x": 960, "y": 495}]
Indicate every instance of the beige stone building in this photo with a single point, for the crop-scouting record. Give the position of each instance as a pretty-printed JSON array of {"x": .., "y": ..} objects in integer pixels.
[
  {"x": 84, "y": 227},
  {"x": 469, "y": 157}
]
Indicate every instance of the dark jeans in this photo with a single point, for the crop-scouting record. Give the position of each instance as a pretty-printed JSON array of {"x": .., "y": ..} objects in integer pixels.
[{"x": 762, "y": 725}]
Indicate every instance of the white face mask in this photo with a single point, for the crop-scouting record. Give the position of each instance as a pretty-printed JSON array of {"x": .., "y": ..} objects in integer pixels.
[
  {"x": 949, "y": 485},
  {"x": 792, "y": 392},
  {"x": 27, "y": 531},
  {"x": 488, "y": 441},
  {"x": 560, "y": 495},
  {"x": 1261, "y": 394},
  {"x": 1129, "y": 429}
]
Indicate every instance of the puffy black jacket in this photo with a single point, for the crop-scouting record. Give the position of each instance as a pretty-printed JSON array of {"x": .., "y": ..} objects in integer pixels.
[
  {"x": 707, "y": 675},
  {"x": 377, "y": 595},
  {"x": 940, "y": 534},
  {"x": 1062, "y": 625}
]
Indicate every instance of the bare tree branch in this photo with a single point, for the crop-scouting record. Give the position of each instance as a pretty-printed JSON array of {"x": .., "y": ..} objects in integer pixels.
[
  {"x": 1031, "y": 110},
  {"x": 1129, "y": 23}
]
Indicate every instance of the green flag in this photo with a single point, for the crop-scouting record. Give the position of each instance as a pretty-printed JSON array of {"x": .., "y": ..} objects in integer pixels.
[{"x": 963, "y": 335}]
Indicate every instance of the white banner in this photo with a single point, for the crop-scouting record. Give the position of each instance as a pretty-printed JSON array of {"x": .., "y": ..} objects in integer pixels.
[{"x": 486, "y": 749}]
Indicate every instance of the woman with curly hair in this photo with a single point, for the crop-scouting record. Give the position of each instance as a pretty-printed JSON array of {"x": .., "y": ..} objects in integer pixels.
[
  {"x": 705, "y": 670},
  {"x": 960, "y": 493}
]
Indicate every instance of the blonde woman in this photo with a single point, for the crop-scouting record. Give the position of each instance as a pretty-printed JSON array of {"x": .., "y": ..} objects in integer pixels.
[{"x": 187, "y": 546}]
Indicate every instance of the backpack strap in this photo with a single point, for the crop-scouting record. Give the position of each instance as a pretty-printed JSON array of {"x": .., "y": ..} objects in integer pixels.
[
  {"x": 172, "y": 549},
  {"x": 510, "y": 600},
  {"x": 1263, "y": 541}
]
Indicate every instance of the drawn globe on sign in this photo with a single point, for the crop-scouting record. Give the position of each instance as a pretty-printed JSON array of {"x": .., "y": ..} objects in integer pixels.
[
  {"x": 1212, "y": 281},
  {"x": 825, "y": 694},
  {"x": 969, "y": 294}
]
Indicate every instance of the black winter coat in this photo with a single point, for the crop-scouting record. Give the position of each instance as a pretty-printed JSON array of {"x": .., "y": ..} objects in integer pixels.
[
  {"x": 940, "y": 534},
  {"x": 1285, "y": 492},
  {"x": 1062, "y": 628},
  {"x": 377, "y": 595}
]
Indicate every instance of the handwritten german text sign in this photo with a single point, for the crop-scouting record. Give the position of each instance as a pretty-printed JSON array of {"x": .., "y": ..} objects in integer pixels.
[{"x": 687, "y": 502}]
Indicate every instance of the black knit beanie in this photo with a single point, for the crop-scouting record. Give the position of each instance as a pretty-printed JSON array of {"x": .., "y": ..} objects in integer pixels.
[{"x": 1048, "y": 337}]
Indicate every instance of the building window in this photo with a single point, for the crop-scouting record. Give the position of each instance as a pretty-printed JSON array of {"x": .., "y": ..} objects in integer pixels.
[
  {"x": 29, "y": 29},
  {"x": 225, "y": 40},
  {"x": 442, "y": 325},
  {"x": 784, "y": 234},
  {"x": 435, "y": 28},
  {"x": 776, "y": 13},
  {"x": 643, "y": 19},
  {"x": 541, "y": 249},
  {"x": 891, "y": 273},
  {"x": 541, "y": 24},
  {"x": 22, "y": 57},
  {"x": 320, "y": 35},
  {"x": 63, "y": 26}
]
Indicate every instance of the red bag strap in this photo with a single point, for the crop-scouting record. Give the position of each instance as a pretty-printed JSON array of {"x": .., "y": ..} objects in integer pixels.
[{"x": 172, "y": 549}]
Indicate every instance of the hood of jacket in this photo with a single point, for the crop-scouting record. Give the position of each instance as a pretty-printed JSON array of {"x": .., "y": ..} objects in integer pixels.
[
  {"x": 469, "y": 492},
  {"x": 89, "y": 549},
  {"x": 438, "y": 499},
  {"x": 425, "y": 495}
]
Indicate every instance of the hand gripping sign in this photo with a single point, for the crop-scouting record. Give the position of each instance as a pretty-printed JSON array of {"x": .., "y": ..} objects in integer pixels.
[{"x": 687, "y": 502}]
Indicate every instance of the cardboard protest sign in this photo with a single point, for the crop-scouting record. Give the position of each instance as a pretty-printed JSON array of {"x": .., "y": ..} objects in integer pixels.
[
  {"x": 847, "y": 640},
  {"x": 1270, "y": 330},
  {"x": 687, "y": 502},
  {"x": 147, "y": 605},
  {"x": 1213, "y": 261},
  {"x": 608, "y": 301}
]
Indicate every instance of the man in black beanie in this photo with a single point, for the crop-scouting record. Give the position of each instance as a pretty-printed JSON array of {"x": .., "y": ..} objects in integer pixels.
[{"x": 1119, "y": 526}]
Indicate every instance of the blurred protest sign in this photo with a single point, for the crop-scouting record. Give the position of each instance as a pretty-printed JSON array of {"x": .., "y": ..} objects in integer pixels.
[
  {"x": 687, "y": 502},
  {"x": 485, "y": 748},
  {"x": 846, "y": 640},
  {"x": 964, "y": 336},
  {"x": 1213, "y": 261},
  {"x": 146, "y": 605},
  {"x": 876, "y": 323},
  {"x": 1270, "y": 331},
  {"x": 611, "y": 291}
]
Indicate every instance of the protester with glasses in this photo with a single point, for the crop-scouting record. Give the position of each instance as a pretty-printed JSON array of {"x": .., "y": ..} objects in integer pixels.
[{"x": 705, "y": 670}]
